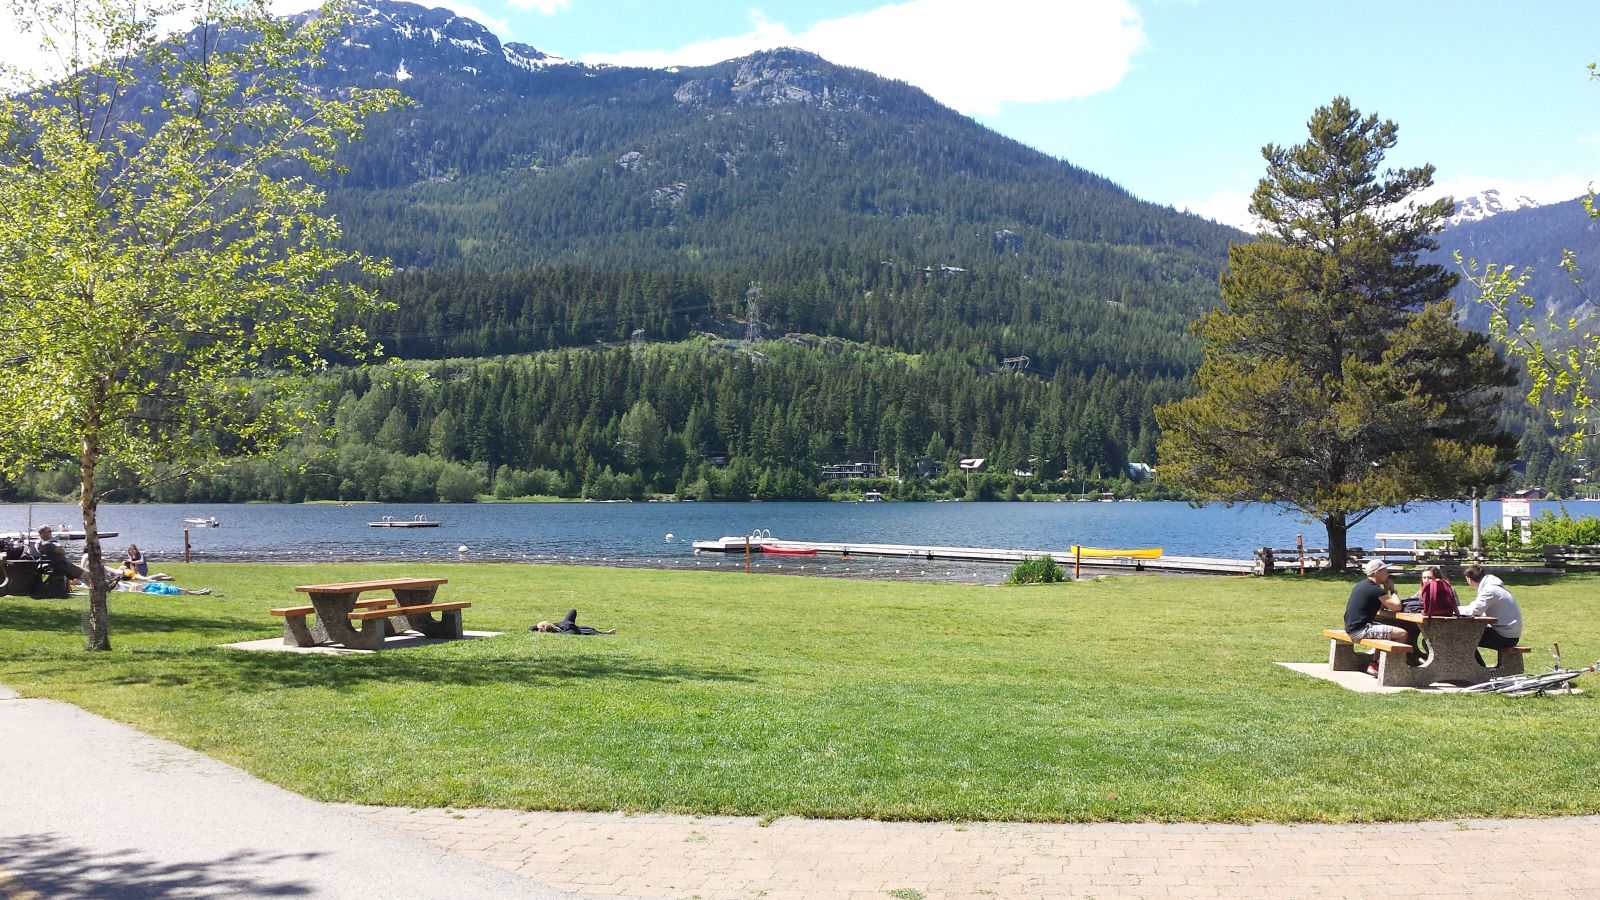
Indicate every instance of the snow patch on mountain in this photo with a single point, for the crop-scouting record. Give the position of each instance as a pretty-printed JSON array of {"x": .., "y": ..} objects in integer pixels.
[
  {"x": 1486, "y": 203},
  {"x": 531, "y": 58}
]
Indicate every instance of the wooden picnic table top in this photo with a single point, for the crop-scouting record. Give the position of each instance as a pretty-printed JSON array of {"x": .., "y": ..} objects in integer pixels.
[
  {"x": 1419, "y": 618},
  {"x": 356, "y": 587}
]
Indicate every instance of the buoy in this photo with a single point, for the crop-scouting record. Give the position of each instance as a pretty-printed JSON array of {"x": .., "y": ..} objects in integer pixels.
[
  {"x": 462, "y": 548},
  {"x": 669, "y": 537}
]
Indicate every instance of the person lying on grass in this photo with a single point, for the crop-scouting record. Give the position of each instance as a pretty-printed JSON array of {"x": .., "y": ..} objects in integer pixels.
[{"x": 570, "y": 625}]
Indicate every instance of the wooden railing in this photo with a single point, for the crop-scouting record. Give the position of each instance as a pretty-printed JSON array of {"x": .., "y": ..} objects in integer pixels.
[{"x": 1550, "y": 556}]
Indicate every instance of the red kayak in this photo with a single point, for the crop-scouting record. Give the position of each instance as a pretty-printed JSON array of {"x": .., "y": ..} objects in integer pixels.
[{"x": 789, "y": 549}]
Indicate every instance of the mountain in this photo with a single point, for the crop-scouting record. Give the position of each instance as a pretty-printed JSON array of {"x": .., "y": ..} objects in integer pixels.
[
  {"x": 576, "y": 245},
  {"x": 863, "y": 208},
  {"x": 1480, "y": 206},
  {"x": 1530, "y": 238}
]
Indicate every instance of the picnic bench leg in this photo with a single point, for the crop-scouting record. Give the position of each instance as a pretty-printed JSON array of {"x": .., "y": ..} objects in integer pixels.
[
  {"x": 1395, "y": 670},
  {"x": 1342, "y": 657},
  {"x": 1507, "y": 663},
  {"x": 296, "y": 633},
  {"x": 333, "y": 611},
  {"x": 448, "y": 625}
]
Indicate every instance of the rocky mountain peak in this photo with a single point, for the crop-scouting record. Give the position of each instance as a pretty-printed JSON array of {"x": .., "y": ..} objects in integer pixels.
[
  {"x": 391, "y": 41},
  {"x": 775, "y": 78},
  {"x": 1486, "y": 203}
]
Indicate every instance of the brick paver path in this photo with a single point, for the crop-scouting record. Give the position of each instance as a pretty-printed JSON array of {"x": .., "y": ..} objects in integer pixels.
[{"x": 615, "y": 855}]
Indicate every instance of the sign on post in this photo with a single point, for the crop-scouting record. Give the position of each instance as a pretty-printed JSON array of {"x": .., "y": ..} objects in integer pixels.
[{"x": 1516, "y": 516}]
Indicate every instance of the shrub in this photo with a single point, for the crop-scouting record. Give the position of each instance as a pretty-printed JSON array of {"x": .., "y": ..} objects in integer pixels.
[{"x": 1039, "y": 570}]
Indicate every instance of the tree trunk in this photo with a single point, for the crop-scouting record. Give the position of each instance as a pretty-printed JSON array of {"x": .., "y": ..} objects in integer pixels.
[
  {"x": 1338, "y": 532},
  {"x": 98, "y": 625}
]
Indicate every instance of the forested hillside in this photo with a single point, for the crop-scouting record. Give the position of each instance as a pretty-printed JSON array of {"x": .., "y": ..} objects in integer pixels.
[{"x": 707, "y": 419}]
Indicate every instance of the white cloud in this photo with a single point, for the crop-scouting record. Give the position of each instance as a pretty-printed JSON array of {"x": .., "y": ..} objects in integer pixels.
[
  {"x": 1228, "y": 206},
  {"x": 547, "y": 7},
  {"x": 972, "y": 56}
]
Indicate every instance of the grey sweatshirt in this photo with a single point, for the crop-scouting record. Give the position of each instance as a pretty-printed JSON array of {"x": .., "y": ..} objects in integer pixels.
[{"x": 1494, "y": 600}]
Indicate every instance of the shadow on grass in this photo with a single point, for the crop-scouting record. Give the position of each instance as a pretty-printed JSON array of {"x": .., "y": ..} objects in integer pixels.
[
  {"x": 234, "y": 671},
  {"x": 47, "y": 865},
  {"x": 66, "y": 616}
]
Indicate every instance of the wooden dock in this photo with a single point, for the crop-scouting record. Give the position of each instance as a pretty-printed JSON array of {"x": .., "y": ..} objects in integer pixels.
[{"x": 1172, "y": 564}]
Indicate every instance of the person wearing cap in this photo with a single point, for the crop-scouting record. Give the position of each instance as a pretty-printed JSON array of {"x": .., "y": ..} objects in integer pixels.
[{"x": 1371, "y": 594}]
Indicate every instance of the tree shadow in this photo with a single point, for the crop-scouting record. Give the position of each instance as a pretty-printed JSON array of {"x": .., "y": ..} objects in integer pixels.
[
  {"x": 245, "y": 672},
  {"x": 48, "y": 865},
  {"x": 66, "y": 616}
]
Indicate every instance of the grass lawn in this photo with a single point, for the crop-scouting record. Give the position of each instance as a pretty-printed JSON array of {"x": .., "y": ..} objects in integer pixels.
[{"x": 1132, "y": 698}]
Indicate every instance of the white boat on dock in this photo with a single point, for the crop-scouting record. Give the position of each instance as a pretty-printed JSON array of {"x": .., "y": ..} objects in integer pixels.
[{"x": 413, "y": 522}]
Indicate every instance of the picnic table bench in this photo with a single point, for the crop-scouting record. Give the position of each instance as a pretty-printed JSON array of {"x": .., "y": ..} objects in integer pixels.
[
  {"x": 338, "y": 606},
  {"x": 1452, "y": 648}
]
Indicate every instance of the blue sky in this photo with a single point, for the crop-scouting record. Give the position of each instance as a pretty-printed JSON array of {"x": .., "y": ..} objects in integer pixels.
[{"x": 1172, "y": 99}]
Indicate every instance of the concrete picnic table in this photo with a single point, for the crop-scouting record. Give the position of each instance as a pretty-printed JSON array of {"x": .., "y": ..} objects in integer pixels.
[
  {"x": 1452, "y": 652},
  {"x": 336, "y": 605}
]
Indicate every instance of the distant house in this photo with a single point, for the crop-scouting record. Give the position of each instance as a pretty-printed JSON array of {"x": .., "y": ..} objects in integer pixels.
[
  {"x": 977, "y": 464},
  {"x": 1139, "y": 471},
  {"x": 841, "y": 471},
  {"x": 927, "y": 467},
  {"x": 1530, "y": 493}
]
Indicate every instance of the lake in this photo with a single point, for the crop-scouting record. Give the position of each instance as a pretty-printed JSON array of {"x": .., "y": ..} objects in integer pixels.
[{"x": 657, "y": 535}]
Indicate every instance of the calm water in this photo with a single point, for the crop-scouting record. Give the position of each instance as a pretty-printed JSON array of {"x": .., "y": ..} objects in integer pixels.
[{"x": 657, "y": 535}]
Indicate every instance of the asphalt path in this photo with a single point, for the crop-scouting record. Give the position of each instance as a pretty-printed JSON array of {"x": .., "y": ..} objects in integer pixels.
[{"x": 91, "y": 808}]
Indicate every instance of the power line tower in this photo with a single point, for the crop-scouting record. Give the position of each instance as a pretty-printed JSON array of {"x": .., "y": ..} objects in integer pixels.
[{"x": 752, "y": 312}]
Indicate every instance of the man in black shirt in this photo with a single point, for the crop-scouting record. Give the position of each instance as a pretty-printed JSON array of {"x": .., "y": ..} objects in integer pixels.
[{"x": 1371, "y": 594}]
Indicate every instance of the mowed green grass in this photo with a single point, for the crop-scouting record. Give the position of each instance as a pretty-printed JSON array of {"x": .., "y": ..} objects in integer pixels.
[{"x": 1130, "y": 698}]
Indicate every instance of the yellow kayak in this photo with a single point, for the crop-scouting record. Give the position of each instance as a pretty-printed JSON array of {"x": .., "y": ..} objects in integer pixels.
[{"x": 1102, "y": 553}]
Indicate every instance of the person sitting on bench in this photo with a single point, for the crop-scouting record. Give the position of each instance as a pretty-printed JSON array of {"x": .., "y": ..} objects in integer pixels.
[
  {"x": 51, "y": 551},
  {"x": 1493, "y": 600},
  {"x": 570, "y": 625},
  {"x": 1371, "y": 594}
]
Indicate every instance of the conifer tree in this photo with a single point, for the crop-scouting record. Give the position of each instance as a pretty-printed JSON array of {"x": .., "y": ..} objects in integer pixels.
[{"x": 1336, "y": 380}]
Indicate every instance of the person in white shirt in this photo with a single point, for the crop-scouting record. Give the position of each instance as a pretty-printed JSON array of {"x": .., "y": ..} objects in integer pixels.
[{"x": 1493, "y": 600}]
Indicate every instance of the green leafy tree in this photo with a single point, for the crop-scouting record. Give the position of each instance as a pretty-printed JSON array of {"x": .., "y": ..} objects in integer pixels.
[
  {"x": 1336, "y": 380},
  {"x": 157, "y": 246}
]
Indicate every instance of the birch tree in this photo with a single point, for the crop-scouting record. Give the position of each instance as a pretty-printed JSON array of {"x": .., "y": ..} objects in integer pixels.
[{"x": 167, "y": 280}]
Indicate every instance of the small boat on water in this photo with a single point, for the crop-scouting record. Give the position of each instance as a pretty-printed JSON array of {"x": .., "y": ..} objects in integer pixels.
[
  {"x": 203, "y": 523},
  {"x": 789, "y": 549},
  {"x": 413, "y": 522}
]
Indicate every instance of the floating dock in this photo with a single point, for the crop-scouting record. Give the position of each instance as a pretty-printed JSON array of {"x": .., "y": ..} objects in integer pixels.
[
  {"x": 392, "y": 522},
  {"x": 1173, "y": 564}
]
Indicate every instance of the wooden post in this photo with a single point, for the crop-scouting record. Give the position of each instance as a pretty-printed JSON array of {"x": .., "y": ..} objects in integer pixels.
[
  {"x": 186, "y": 545},
  {"x": 1077, "y": 562},
  {"x": 747, "y": 554},
  {"x": 1300, "y": 547}
]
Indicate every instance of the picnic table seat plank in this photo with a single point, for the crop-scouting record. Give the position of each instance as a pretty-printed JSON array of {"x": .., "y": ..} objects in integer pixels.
[
  {"x": 409, "y": 610},
  {"x": 369, "y": 603}
]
